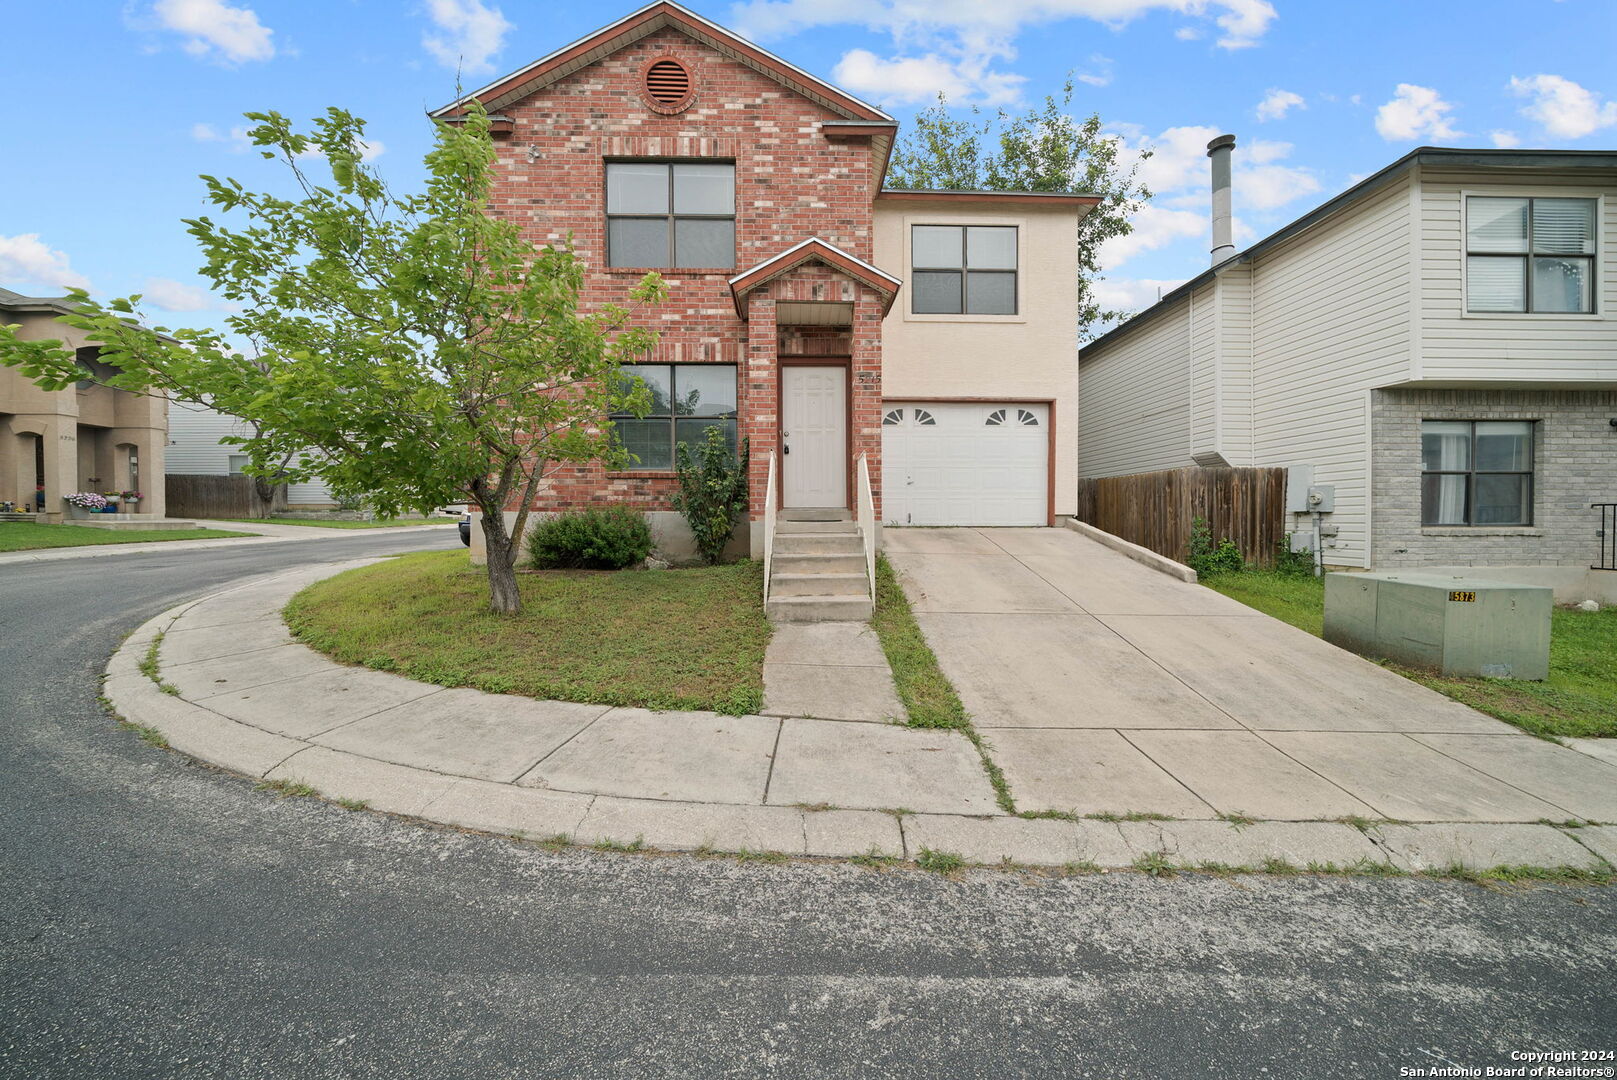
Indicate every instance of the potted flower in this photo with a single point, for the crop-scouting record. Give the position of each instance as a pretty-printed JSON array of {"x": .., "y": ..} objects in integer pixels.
[
  {"x": 112, "y": 498},
  {"x": 131, "y": 501},
  {"x": 81, "y": 504}
]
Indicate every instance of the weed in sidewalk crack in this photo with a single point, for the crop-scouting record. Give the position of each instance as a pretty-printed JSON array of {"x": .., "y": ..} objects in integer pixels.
[
  {"x": 1155, "y": 863},
  {"x": 287, "y": 789},
  {"x": 939, "y": 862}
]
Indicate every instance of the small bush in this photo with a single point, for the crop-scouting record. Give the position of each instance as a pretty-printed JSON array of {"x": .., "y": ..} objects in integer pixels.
[
  {"x": 600, "y": 538},
  {"x": 712, "y": 491},
  {"x": 1208, "y": 558},
  {"x": 1292, "y": 563}
]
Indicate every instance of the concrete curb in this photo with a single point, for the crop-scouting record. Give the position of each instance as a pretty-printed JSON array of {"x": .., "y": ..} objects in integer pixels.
[
  {"x": 1145, "y": 556},
  {"x": 102, "y": 551},
  {"x": 668, "y": 824}
]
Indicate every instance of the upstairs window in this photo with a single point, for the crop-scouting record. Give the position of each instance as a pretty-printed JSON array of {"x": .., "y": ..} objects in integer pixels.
[
  {"x": 1476, "y": 472},
  {"x": 671, "y": 215},
  {"x": 1529, "y": 255},
  {"x": 963, "y": 269}
]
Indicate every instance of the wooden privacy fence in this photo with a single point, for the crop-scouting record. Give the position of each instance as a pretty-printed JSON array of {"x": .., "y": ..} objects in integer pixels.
[
  {"x": 1156, "y": 509},
  {"x": 196, "y": 495}
]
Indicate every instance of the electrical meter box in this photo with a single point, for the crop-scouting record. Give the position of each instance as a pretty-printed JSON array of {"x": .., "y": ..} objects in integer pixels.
[{"x": 1456, "y": 625}]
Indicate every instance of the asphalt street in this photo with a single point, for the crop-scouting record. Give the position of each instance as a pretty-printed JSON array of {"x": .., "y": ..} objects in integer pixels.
[{"x": 160, "y": 918}]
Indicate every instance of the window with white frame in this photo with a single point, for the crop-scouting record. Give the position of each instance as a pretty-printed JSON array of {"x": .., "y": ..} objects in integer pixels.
[
  {"x": 963, "y": 269},
  {"x": 1476, "y": 472},
  {"x": 1529, "y": 255}
]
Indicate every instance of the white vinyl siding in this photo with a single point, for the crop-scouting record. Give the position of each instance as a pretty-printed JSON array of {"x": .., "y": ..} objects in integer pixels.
[
  {"x": 1134, "y": 399},
  {"x": 1203, "y": 371},
  {"x": 1541, "y": 348},
  {"x": 1234, "y": 329},
  {"x": 194, "y": 449},
  {"x": 1330, "y": 320}
]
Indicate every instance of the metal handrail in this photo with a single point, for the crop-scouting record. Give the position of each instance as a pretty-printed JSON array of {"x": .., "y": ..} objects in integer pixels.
[
  {"x": 769, "y": 524},
  {"x": 1607, "y": 532},
  {"x": 867, "y": 523}
]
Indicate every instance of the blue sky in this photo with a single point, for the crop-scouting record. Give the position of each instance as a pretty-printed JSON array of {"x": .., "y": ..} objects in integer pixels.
[{"x": 117, "y": 107}]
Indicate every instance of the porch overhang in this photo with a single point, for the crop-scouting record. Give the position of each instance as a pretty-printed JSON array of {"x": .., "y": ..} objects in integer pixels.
[{"x": 813, "y": 250}]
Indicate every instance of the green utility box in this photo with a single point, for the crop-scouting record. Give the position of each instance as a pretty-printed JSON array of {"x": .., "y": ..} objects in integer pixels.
[{"x": 1456, "y": 625}]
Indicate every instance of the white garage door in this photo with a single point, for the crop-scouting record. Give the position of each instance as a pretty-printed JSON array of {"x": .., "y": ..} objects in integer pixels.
[{"x": 965, "y": 464}]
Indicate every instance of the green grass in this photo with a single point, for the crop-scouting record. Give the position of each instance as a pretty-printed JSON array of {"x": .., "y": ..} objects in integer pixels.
[
  {"x": 27, "y": 536},
  {"x": 1579, "y": 699},
  {"x": 670, "y": 639},
  {"x": 381, "y": 523},
  {"x": 928, "y": 695}
]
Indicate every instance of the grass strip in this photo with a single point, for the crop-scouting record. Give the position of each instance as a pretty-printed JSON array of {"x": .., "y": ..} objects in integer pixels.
[{"x": 928, "y": 695}]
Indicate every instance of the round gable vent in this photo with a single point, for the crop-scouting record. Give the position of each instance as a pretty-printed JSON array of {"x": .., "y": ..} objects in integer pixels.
[{"x": 668, "y": 85}]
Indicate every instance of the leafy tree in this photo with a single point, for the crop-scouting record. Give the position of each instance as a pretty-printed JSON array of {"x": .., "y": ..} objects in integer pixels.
[
  {"x": 712, "y": 490},
  {"x": 413, "y": 349},
  {"x": 1043, "y": 149}
]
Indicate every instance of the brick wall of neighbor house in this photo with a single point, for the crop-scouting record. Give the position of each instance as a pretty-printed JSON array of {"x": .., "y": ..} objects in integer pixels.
[
  {"x": 792, "y": 182},
  {"x": 1575, "y": 464}
]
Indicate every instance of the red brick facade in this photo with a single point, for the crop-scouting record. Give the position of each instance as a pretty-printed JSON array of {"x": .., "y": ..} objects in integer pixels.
[{"x": 793, "y": 182}]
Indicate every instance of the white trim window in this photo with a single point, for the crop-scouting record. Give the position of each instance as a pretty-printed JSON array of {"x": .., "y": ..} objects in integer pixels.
[
  {"x": 963, "y": 269},
  {"x": 671, "y": 215},
  {"x": 1530, "y": 255}
]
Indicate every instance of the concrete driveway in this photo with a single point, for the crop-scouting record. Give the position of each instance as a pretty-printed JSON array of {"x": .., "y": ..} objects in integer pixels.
[{"x": 1107, "y": 687}]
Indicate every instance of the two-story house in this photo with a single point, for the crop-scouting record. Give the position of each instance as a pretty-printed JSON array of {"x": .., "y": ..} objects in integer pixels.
[
  {"x": 1437, "y": 343},
  {"x": 812, "y": 311},
  {"x": 84, "y": 438}
]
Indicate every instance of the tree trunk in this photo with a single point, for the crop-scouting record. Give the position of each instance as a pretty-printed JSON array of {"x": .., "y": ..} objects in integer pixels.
[
  {"x": 264, "y": 492},
  {"x": 503, "y": 597}
]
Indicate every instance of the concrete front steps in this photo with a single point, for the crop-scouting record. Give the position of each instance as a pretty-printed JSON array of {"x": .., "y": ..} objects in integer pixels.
[{"x": 818, "y": 570}]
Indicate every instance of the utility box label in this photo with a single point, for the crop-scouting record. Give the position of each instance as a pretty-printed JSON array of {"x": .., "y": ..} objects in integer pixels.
[{"x": 1466, "y": 597}]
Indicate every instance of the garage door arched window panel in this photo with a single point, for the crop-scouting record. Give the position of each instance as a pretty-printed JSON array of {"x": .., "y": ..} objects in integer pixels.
[
  {"x": 1002, "y": 416},
  {"x": 963, "y": 269},
  {"x": 893, "y": 416},
  {"x": 686, "y": 400},
  {"x": 924, "y": 418}
]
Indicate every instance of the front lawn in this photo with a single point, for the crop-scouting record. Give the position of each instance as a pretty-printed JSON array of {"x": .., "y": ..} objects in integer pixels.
[
  {"x": 26, "y": 535},
  {"x": 382, "y": 523},
  {"x": 659, "y": 639},
  {"x": 1579, "y": 698}
]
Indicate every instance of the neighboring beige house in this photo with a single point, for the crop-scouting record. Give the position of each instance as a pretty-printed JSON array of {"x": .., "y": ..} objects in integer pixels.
[
  {"x": 1438, "y": 344},
  {"x": 85, "y": 438}
]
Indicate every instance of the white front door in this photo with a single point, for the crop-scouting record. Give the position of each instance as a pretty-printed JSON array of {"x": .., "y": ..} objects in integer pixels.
[{"x": 814, "y": 437}]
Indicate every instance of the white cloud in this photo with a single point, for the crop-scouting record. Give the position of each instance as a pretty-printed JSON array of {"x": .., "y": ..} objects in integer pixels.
[
  {"x": 238, "y": 141},
  {"x": 1276, "y": 103},
  {"x": 1415, "y": 112},
  {"x": 1563, "y": 107},
  {"x": 214, "y": 28},
  {"x": 1132, "y": 294},
  {"x": 1187, "y": 33},
  {"x": 471, "y": 34},
  {"x": 26, "y": 261},
  {"x": 971, "y": 36},
  {"x": 171, "y": 295},
  {"x": 1505, "y": 140},
  {"x": 1102, "y": 73},
  {"x": 904, "y": 79}
]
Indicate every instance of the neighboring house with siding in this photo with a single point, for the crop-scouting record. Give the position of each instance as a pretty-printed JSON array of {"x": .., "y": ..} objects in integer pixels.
[
  {"x": 196, "y": 448},
  {"x": 1438, "y": 343}
]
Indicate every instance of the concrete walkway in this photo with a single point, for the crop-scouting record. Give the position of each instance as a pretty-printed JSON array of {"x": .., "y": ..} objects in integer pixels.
[
  {"x": 1108, "y": 687},
  {"x": 242, "y": 695}
]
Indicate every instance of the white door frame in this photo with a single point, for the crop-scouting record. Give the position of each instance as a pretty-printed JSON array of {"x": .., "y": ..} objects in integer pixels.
[{"x": 814, "y": 436}]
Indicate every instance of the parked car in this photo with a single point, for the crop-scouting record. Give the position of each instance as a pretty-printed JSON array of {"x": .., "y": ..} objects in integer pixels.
[{"x": 466, "y": 529}]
